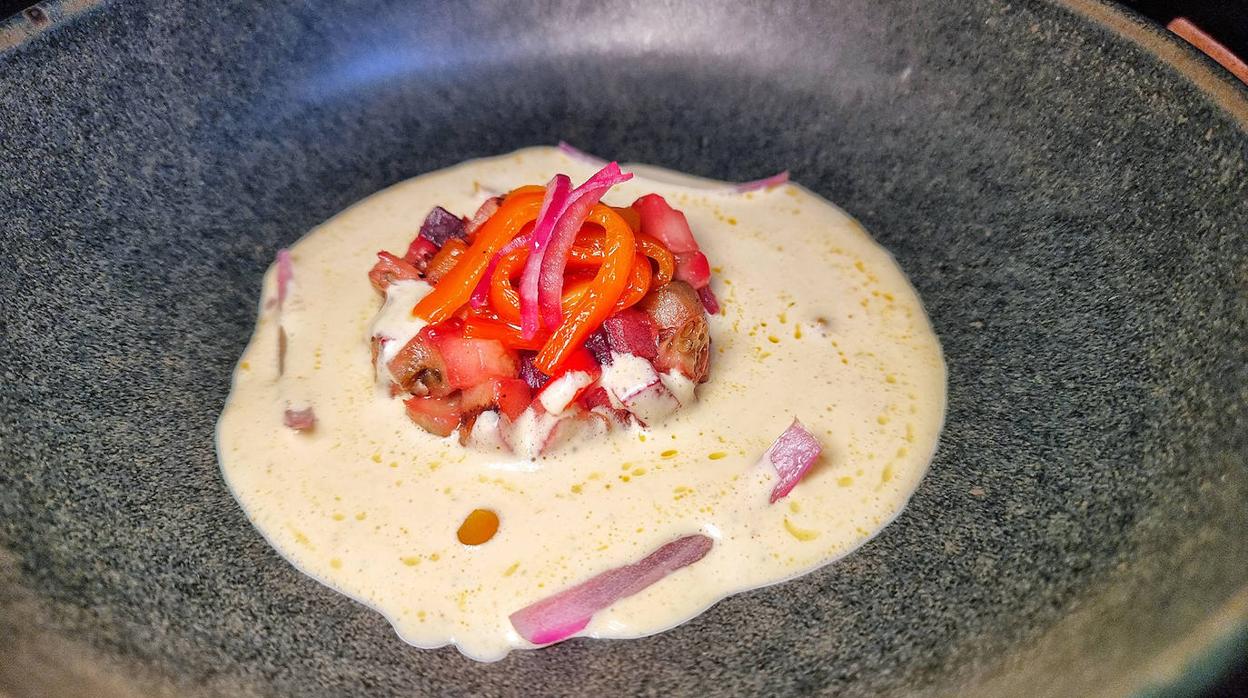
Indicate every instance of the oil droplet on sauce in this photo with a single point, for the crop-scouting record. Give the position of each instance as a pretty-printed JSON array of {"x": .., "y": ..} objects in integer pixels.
[{"x": 479, "y": 527}]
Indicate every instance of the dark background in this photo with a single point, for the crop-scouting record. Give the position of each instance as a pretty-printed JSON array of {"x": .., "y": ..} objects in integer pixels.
[{"x": 1227, "y": 22}]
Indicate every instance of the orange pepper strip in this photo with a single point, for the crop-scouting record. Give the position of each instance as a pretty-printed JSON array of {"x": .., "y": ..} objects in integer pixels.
[
  {"x": 590, "y": 240},
  {"x": 456, "y": 287},
  {"x": 445, "y": 260},
  {"x": 505, "y": 299},
  {"x": 530, "y": 189},
  {"x": 630, "y": 216},
  {"x": 639, "y": 278},
  {"x": 663, "y": 259},
  {"x": 619, "y": 246},
  {"x": 510, "y": 335}
]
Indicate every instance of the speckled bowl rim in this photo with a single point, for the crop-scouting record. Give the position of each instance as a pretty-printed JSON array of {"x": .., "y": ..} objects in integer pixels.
[
  {"x": 1192, "y": 663},
  {"x": 1195, "y": 662}
]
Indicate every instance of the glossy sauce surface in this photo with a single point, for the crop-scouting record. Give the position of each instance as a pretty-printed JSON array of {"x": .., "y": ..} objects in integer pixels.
[{"x": 818, "y": 323}]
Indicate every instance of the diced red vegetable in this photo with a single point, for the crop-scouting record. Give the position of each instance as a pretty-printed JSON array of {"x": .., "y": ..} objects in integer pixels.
[
  {"x": 596, "y": 399},
  {"x": 669, "y": 226},
  {"x": 488, "y": 208},
  {"x": 285, "y": 273},
  {"x": 791, "y": 455},
  {"x": 471, "y": 361},
  {"x": 637, "y": 386},
  {"x": 579, "y": 361},
  {"x": 419, "y": 252},
  {"x": 632, "y": 332},
  {"x": 436, "y": 415},
  {"x": 510, "y": 395},
  {"x": 299, "y": 420},
  {"x": 684, "y": 336},
  {"x": 693, "y": 268},
  {"x": 390, "y": 269},
  {"x": 599, "y": 346},
  {"x": 566, "y": 613},
  {"x": 441, "y": 225},
  {"x": 529, "y": 373},
  {"x": 418, "y": 368},
  {"x": 709, "y": 301}
]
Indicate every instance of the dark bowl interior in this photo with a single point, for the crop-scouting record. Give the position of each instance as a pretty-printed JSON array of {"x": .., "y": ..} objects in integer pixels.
[{"x": 1070, "y": 206}]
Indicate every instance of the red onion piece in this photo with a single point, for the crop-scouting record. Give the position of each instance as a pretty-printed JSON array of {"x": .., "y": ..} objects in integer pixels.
[
  {"x": 632, "y": 332},
  {"x": 693, "y": 268},
  {"x": 299, "y": 420},
  {"x": 527, "y": 371},
  {"x": 555, "y": 258},
  {"x": 481, "y": 294},
  {"x": 765, "y": 183},
  {"x": 441, "y": 225},
  {"x": 285, "y": 272},
  {"x": 419, "y": 252},
  {"x": 578, "y": 154},
  {"x": 563, "y": 615},
  {"x": 553, "y": 205},
  {"x": 709, "y": 301},
  {"x": 791, "y": 455},
  {"x": 488, "y": 208}
]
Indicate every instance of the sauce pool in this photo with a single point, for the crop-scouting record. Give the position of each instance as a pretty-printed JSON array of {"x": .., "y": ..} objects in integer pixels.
[{"x": 818, "y": 323}]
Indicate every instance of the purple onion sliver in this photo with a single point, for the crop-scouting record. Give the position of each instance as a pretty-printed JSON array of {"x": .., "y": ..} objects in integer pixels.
[
  {"x": 299, "y": 420},
  {"x": 566, "y": 613},
  {"x": 709, "y": 301},
  {"x": 555, "y": 201},
  {"x": 578, "y": 154},
  {"x": 791, "y": 455},
  {"x": 765, "y": 183},
  {"x": 555, "y": 259},
  {"x": 285, "y": 272}
]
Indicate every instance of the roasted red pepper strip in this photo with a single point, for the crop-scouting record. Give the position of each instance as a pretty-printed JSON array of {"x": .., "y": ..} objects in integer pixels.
[{"x": 598, "y": 303}]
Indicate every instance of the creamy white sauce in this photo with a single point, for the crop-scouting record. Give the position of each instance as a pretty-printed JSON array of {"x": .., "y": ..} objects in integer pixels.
[{"x": 818, "y": 323}]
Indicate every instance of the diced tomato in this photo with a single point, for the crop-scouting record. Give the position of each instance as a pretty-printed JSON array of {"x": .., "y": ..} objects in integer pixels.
[
  {"x": 669, "y": 226},
  {"x": 471, "y": 361},
  {"x": 435, "y": 415},
  {"x": 389, "y": 269},
  {"x": 419, "y": 252},
  {"x": 693, "y": 268},
  {"x": 709, "y": 301},
  {"x": 509, "y": 395}
]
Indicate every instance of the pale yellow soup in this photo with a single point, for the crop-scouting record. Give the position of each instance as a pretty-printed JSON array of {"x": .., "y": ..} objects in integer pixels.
[{"x": 818, "y": 323}]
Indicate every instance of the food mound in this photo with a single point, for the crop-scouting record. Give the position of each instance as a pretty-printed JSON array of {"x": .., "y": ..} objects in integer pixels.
[{"x": 546, "y": 317}]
